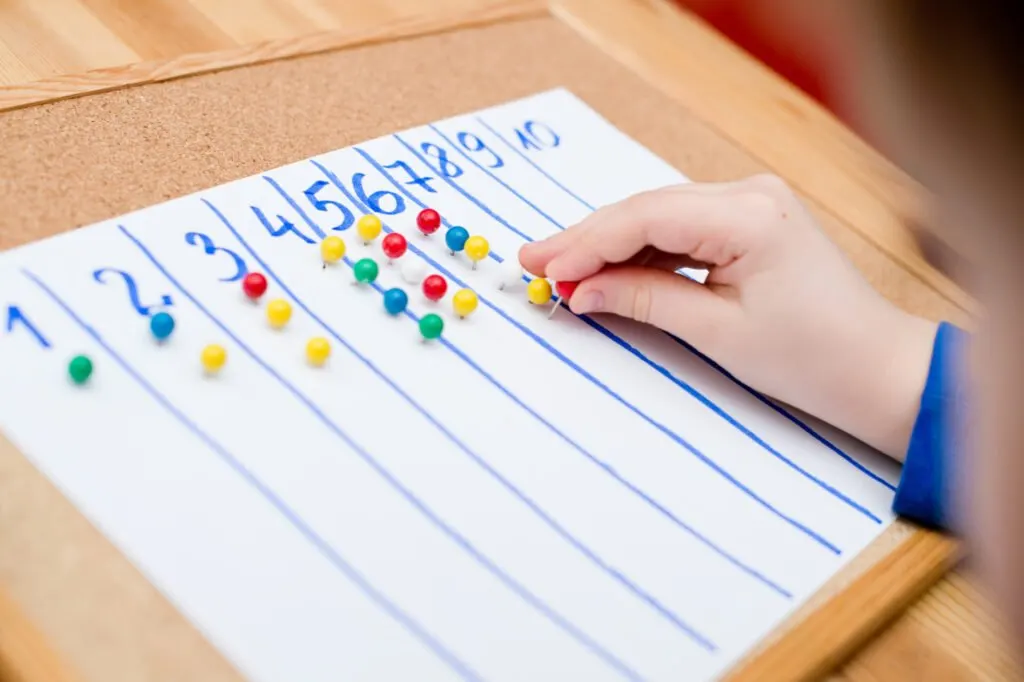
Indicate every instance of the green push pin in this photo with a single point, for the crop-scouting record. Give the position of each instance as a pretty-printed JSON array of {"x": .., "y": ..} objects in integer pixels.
[
  {"x": 431, "y": 326},
  {"x": 80, "y": 369},
  {"x": 365, "y": 270}
]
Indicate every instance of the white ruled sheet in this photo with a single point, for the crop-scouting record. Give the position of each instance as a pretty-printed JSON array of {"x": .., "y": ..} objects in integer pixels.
[{"x": 520, "y": 499}]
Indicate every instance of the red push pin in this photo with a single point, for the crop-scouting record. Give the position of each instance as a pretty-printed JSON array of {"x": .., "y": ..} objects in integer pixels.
[
  {"x": 254, "y": 285},
  {"x": 434, "y": 287},
  {"x": 428, "y": 221},
  {"x": 394, "y": 246},
  {"x": 565, "y": 291}
]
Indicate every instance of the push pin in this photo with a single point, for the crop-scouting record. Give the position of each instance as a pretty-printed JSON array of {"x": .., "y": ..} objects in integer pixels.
[
  {"x": 80, "y": 369},
  {"x": 161, "y": 324},
  {"x": 456, "y": 238},
  {"x": 431, "y": 326},
  {"x": 369, "y": 227},
  {"x": 477, "y": 249},
  {"x": 394, "y": 246},
  {"x": 254, "y": 285},
  {"x": 464, "y": 302},
  {"x": 565, "y": 291},
  {"x": 365, "y": 271},
  {"x": 213, "y": 358},
  {"x": 538, "y": 291},
  {"x": 395, "y": 301},
  {"x": 332, "y": 249},
  {"x": 413, "y": 271},
  {"x": 428, "y": 221},
  {"x": 434, "y": 287},
  {"x": 279, "y": 311},
  {"x": 318, "y": 349},
  {"x": 510, "y": 274}
]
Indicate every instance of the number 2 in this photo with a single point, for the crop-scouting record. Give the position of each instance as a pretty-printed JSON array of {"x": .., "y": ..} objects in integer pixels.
[{"x": 133, "y": 290}]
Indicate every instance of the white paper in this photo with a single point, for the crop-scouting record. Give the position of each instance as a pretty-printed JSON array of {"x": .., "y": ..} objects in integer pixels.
[{"x": 522, "y": 499}]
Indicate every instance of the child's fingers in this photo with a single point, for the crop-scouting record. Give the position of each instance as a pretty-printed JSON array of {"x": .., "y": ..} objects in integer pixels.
[
  {"x": 663, "y": 299},
  {"x": 708, "y": 227}
]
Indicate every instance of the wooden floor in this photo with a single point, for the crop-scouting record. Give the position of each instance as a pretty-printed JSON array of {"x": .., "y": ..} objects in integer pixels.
[{"x": 948, "y": 635}]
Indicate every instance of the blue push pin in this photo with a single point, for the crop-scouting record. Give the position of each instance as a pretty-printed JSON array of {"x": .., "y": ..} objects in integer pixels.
[
  {"x": 456, "y": 238},
  {"x": 395, "y": 301},
  {"x": 161, "y": 324}
]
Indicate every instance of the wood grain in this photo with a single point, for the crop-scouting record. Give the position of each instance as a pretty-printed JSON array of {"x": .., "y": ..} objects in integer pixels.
[
  {"x": 218, "y": 51},
  {"x": 25, "y": 655}
]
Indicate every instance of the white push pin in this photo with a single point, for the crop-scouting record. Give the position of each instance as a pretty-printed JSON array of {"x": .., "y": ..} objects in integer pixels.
[
  {"x": 413, "y": 271},
  {"x": 510, "y": 274}
]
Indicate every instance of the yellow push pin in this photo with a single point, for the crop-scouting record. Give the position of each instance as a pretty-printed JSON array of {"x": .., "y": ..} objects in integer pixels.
[
  {"x": 332, "y": 249},
  {"x": 477, "y": 249},
  {"x": 369, "y": 227},
  {"x": 317, "y": 351},
  {"x": 538, "y": 291},
  {"x": 213, "y": 358},
  {"x": 464, "y": 302},
  {"x": 279, "y": 311}
]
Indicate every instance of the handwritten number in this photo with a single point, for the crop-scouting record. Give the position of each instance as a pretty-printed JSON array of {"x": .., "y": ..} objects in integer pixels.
[
  {"x": 209, "y": 248},
  {"x": 445, "y": 166},
  {"x": 374, "y": 200},
  {"x": 16, "y": 317},
  {"x": 285, "y": 228},
  {"x": 347, "y": 218},
  {"x": 472, "y": 143},
  {"x": 422, "y": 181},
  {"x": 133, "y": 290},
  {"x": 537, "y": 135}
]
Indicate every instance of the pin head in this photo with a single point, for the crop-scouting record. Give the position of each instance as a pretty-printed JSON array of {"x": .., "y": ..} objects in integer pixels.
[
  {"x": 428, "y": 221},
  {"x": 318, "y": 349},
  {"x": 477, "y": 248},
  {"x": 369, "y": 227},
  {"x": 538, "y": 291},
  {"x": 413, "y": 271},
  {"x": 455, "y": 238},
  {"x": 434, "y": 287},
  {"x": 279, "y": 311},
  {"x": 213, "y": 358},
  {"x": 161, "y": 324},
  {"x": 365, "y": 270},
  {"x": 395, "y": 301},
  {"x": 431, "y": 326},
  {"x": 510, "y": 274},
  {"x": 394, "y": 245},
  {"x": 565, "y": 290},
  {"x": 80, "y": 369},
  {"x": 464, "y": 302},
  {"x": 332, "y": 249},
  {"x": 254, "y": 285}
]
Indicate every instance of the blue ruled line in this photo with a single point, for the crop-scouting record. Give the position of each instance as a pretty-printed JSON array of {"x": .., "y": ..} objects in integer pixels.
[
  {"x": 564, "y": 437},
  {"x": 693, "y": 392},
  {"x": 679, "y": 440},
  {"x": 481, "y": 462},
  {"x": 458, "y": 539},
  {"x": 293, "y": 518},
  {"x": 530, "y": 161}
]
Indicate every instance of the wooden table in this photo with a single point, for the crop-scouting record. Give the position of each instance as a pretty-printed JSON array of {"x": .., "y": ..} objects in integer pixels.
[{"x": 66, "y": 47}]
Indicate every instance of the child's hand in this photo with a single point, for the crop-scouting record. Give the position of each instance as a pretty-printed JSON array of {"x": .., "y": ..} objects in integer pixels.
[{"x": 782, "y": 308}]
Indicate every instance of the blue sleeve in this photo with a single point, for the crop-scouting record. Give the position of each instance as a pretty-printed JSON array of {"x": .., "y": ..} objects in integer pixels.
[{"x": 924, "y": 493}]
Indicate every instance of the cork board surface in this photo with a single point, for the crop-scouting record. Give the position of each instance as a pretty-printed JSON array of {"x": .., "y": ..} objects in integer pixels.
[{"x": 75, "y": 162}]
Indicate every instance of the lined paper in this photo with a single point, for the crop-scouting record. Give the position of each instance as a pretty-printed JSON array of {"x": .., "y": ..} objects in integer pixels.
[{"x": 523, "y": 498}]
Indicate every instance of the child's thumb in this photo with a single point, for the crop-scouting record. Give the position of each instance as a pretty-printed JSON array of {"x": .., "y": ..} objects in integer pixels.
[{"x": 661, "y": 298}]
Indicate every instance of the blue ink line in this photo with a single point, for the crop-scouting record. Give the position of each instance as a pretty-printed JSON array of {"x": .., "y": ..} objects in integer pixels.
[
  {"x": 679, "y": 440},
  {"x": 390, "y": 478},
  {"x": 785, "y": 413},
  {"x": 494, "y": 177},
  {"x": 479, "y": 204},
  {"x": 447, "y": 343},
  {"x": 269, "y": 495},
  {"x": 530, "y": 161},
  {"x": 687, "y": 629},
  {"x": 568, "y": 440}
]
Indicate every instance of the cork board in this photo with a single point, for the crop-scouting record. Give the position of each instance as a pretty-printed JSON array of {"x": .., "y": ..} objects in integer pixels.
[{"x": 79, "y": 161}]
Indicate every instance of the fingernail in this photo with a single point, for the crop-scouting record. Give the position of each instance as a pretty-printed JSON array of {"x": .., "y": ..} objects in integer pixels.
[{"x": 587, "y": 302}]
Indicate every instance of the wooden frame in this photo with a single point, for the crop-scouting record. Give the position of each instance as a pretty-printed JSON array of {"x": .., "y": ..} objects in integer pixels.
[{"x": 814, "y": 152}]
